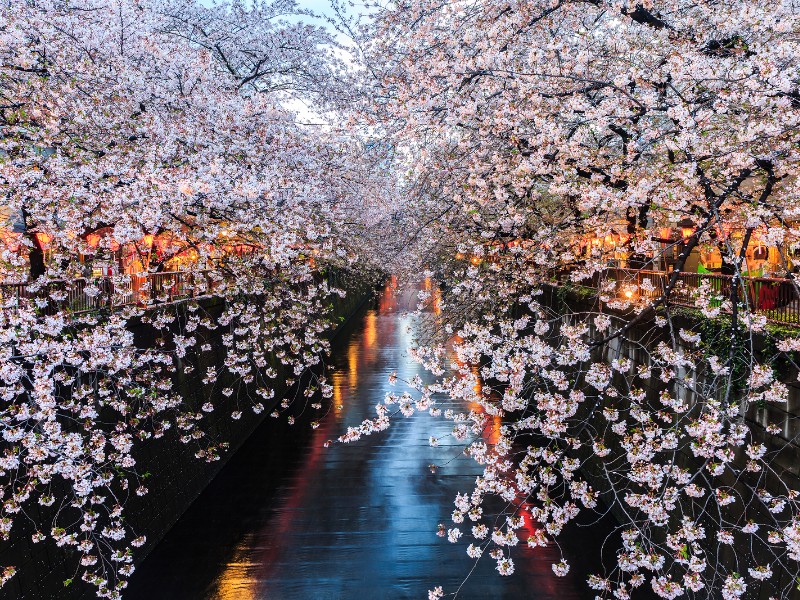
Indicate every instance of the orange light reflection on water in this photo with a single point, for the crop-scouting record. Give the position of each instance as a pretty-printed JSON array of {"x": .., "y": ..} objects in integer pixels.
[
  {"x": 236, "y": 582},
  {"x": 352, "y": 365},
  {"x": 337, "y": 380},
  {"x": 370, "y": 330},
  {"x": 387, "y": 302},
  {"x": 243, "y": 579}
]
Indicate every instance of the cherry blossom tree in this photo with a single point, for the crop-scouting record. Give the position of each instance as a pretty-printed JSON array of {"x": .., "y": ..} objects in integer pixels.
[
  {"x": 543, "y": 140},
  {"x": 129, "y": 121}
]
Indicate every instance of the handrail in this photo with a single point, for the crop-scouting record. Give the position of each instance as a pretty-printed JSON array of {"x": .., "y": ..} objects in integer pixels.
[
  {"x": 112, "y": 292},
  {"x": 775, "y": 298}
]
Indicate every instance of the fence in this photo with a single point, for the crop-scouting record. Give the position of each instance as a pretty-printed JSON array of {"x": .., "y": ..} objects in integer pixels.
[
  {"x": 775, "y": 298},
  {"x": 85, "y": 295},
  {"x": 146, "y": 289}
]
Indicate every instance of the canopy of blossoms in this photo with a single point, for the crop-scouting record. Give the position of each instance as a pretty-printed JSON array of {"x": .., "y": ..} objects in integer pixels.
[
  {"x": 567, "y": 164},
  {"x": 158, "y": 128},
  {"x": 559, "y": 167}
]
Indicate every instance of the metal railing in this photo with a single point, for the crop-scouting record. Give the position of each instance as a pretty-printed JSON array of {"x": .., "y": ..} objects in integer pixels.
[
  {"x": 145, "y": 290},
  {"x": 90, "y": 294},
  {"x": 775, "y": 298}
]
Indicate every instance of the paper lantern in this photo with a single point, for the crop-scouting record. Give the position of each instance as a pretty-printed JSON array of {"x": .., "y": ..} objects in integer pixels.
[
  {"x": 44, "y": 240},
  {"x": 11, "y": 239},
  {"x": 93, "y": 240}
]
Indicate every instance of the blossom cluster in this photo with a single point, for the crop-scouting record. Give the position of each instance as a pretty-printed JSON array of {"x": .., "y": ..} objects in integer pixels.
[
  {"x": 139, "y": 119},
  {"x": 548, "y": 144}
]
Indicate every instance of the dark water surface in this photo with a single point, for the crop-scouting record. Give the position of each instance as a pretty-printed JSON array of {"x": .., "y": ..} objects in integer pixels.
[{"x": 289, "y": 519}]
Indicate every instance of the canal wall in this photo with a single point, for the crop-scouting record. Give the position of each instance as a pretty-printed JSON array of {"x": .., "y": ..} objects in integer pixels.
[
  {"x": 782, "y": 448},
  {"x": 175, "y": 477}
]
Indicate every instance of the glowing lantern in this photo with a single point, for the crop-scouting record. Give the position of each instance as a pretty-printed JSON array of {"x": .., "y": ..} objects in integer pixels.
[
  {"x": 148, "y": 240},
  {"x": 43, "y": 239},
  {"x": 11, "y": 240},
  {"x": 93, "y": 239},
  {"x": 687, "y": 229}
]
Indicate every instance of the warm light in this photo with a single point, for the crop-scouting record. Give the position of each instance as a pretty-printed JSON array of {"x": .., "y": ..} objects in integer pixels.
[
  {"x": 370, "y": 330},
  {"x": 687, "y": 233},
  {"x": 44, "y": 240},
  {"x": 387, "y": 301},
  {"x": 665, "y": 233},
  {"x": 148, "y": 240},
  {"x": 337, "y": 382},
  {"x": 628, "y": 294},
  {"x": 236, "y": 581},
  {"x": 93, "y": 239},
  {"x": 459, "y": 256},
  {"x": 352, "y": 364},
  {"x": 11, "y": 240},
  {"x": 475, "y": 260}
]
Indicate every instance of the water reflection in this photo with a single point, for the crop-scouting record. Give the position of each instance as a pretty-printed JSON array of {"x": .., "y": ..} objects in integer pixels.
[{"x": 290, "y": 519}]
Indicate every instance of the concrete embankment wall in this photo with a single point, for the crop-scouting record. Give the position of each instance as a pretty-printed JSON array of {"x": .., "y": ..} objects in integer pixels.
[{"x": 176, "y": 478}]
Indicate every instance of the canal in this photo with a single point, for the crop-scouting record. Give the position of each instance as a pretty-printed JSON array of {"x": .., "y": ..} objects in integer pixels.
[{"x": 289, "y": 519}]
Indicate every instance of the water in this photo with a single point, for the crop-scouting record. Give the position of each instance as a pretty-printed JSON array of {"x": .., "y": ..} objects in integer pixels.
[{"x": 288, "y": 519}]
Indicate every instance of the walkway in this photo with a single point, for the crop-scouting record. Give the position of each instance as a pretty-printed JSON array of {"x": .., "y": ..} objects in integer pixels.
[{"x": 290, "y": 520}]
